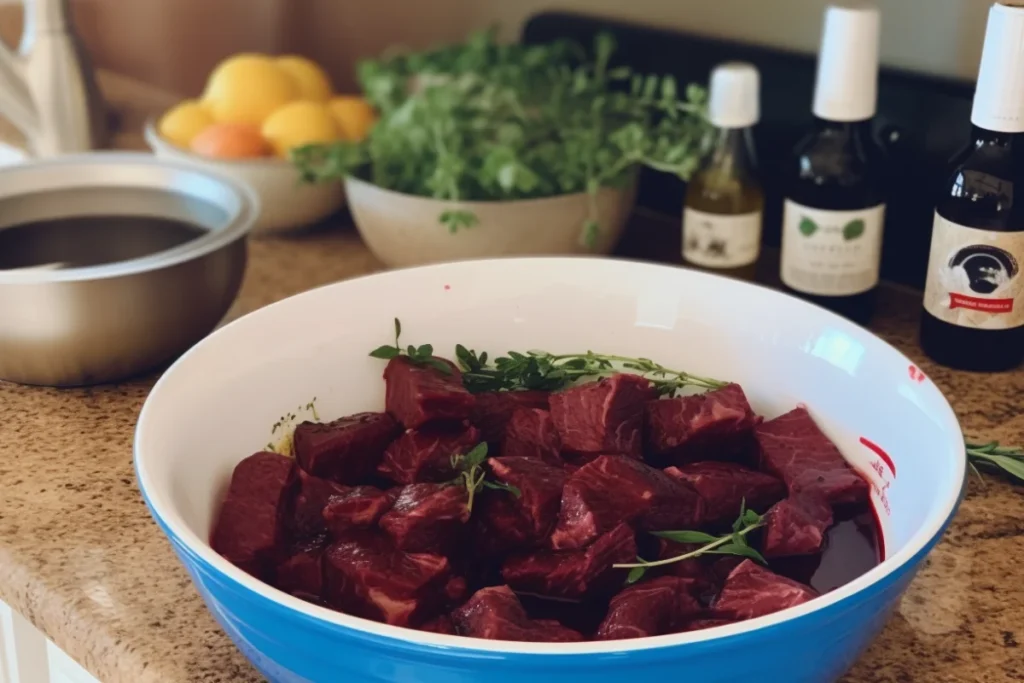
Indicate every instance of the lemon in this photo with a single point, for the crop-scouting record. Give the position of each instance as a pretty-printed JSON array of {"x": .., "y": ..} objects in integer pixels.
[
  {"x": 247, "y": 88},
  {"x": 354, "y": 116},
  {"x": 181, "y": 124},
  {"x": 311, "y": 82},
  {"x": 299, "y": 123}
]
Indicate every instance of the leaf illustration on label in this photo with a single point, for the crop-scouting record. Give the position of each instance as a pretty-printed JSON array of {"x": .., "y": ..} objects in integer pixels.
[
  {"x": 808, "y": 227},
  {"x": 853, "y": 230}
]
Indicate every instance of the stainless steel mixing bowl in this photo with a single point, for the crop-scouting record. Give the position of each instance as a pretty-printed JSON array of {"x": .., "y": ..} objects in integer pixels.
[{"x": 112, "y": 264}]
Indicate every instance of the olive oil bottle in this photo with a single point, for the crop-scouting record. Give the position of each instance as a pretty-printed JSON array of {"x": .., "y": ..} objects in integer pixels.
[
  {"x": 834, "y": 180},
  {"x": 724, "y": 207}
]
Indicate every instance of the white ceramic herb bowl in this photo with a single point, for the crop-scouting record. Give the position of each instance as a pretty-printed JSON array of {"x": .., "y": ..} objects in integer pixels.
[
  {"x": 405, "y": 230},
  {"x": 287, "y": 203}
]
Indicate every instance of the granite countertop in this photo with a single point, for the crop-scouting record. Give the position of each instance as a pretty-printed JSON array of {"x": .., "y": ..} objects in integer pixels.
[{"x": 82, "y": 560}]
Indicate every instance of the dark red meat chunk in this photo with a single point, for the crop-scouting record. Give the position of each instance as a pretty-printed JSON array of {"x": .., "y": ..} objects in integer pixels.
[
  {"x": 708, "y": 622},
  {"x": 531, "y": 433},
  {"x": 495, "y": 613},
  {"x": 417, "y": 394},
  {"x": 614, "y": 489},
  {"x": 574, "y": 574},
  {"x": 427, "y": 517},
  {"x": 301, "y": 572},
  {"x": 360, "y": 507},
  {"x": 652, "y": 608},
  {"x": 493, "y": 409},
  {"x": 725, "y": 486},
  {"x": 346, "y": 450},
  {"x": 426, "y": 454},
  {"x": 603, "y": 417},
  {"x": 249, "y": 526},
  {"x": 694, "y": 567},
  {"x": 796, "y": 526},
  {"x": 712, "y": 426},
  {"x": 370, "y": 578},
  {"x": 442, "y": 624},
  {"x": 752, "y": 591},
  {"x": 307, "y": 507},
  {"x": 795, "y": 449},
  {"x": 535, "y": 510}
]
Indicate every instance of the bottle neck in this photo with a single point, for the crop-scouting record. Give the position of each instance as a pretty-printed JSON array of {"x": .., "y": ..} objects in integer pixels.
[
  {"x": 983, "y": 137},
  {"x": 731, "y": 151}
]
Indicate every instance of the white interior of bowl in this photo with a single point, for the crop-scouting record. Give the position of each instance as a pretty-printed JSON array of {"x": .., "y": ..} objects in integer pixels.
[{"x": 217, "y": 404}]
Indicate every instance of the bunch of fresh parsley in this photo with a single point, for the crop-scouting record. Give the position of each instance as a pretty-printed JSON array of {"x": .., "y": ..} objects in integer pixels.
[{"x": 493, "y": 122}]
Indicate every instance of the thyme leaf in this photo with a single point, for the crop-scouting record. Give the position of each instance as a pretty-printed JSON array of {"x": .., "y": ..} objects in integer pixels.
[
  {"x": 473, "y": 475},
  {"x": 993, "y": 457},
  {"x": 422, "y": 355}
]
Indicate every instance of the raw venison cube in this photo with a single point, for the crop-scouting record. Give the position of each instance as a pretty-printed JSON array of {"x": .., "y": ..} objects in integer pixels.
[
  {"x": 370, "y": 578},
  {"x": 707, "y": 622},
  {"x": 310, "y": 496},
  {"x": 692, "y": 568},
  {"x": 495, "y": 613},
  {"x": 614, "y": 489},
  {"x": 249, "y": 526},
  {"x": 725, "y": 486},
  {"x": 442, "y": 624},
  {"x": 417, "y": 394},
  {"x": 493, "y": 410},
  {"x": 540, "y": 493},
  {"x": 712, "y": 426},
  {"x": 603, "y": 417},
  {"x": 358, "y": 508},
  {"x": 426, "y": 454},
  {"x": 651, "y": 608},
  {"x": 301, "y": 572},
  {"x": 574, "y": 574},
  {"x": 346, "y": 450},
  {"x": 796, "y": 450},
  {"x": 427, "y": 517},
  {"x": 531, "y": 433},
  {"x": 796, "y": 526},
  {"x": 752, "y": 591}
]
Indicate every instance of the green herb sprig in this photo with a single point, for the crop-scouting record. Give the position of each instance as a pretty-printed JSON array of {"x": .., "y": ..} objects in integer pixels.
[
  {"x": 419, "y": 355},
  {"x": 473, "y": 476},
  {"x": 540, "y": 370},
  {"x": 734, "y": 543},
  {"x": 992, "y": 456}
]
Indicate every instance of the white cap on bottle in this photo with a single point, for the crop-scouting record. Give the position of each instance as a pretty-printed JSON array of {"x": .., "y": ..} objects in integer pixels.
[
  {"x": 847, "y": 82},
  {"x": 999, "y": 99},
  {"x": 734, "y": 101}
]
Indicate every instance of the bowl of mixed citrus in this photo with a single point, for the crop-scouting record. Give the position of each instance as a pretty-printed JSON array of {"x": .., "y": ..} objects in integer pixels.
[{"x": 254, "y": 110}]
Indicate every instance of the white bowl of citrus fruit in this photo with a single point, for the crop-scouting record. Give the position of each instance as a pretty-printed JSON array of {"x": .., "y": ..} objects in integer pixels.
[{"x": 254, "y": 110}]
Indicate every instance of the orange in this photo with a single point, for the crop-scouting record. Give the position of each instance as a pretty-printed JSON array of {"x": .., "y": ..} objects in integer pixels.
[{"x": 231, "y": 141}]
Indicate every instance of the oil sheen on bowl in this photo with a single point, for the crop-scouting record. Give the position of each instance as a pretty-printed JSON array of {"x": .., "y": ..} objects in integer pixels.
[{"x": 892, "y": 424}]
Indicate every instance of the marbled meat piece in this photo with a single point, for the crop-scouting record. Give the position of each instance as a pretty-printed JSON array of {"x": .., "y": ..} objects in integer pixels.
[
  {"x": 651, "y": 608},
  {"x": 358, "y": 508},
  {"x": 540, "y": 493},
  {"x": 797, "y": 451},
  {"x": 606, "y": 416},
  {"x": 692, "y": 568},
  {"x": 531, "y": 433},
  {"x": 495, "y": 613},
  {"x": 370, "y": 578},
  {"x": 417, "y": 394},
  {"x": 752, "y": 591},
  {"x": 493, "y": 409},
  {"x": 442, "y": 624},
  {"x": 614, "y": 489},
  {"x": 425, "y": 454},
  {"x": 345, "y": 450},
  {"x": 796, "y": 525},
  {"x": 574, "y": 574},
  {"x": 301, "y": 572},
  {"x": 725, "y": 486},
  {"x": 427, "y": 517},
  {"x": 310, "y": 496},
  {"x": 249, "y": 526},
  {"x": 715, "y": 425}
]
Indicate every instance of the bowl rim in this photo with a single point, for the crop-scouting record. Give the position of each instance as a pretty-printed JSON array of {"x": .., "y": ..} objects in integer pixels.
[
  {"x": 877, "y": 578},
  {"x": 158, "y": 143}
]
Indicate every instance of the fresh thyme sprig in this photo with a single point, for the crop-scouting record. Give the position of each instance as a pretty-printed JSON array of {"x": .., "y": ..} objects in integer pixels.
[
  {"x": 992, "y": 456},
  {"x": 734, "y": 543},
  {"x": 418, "y": 355},
  {"x": 473, "y": 476},
  {"x": 545, "y": 371}
]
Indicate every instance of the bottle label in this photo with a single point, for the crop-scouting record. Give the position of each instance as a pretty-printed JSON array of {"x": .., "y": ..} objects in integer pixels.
[
  {"x": 831, "y": 253},
  {"x": 974, "y": 277},
  {"x": 715, "y": 240}
]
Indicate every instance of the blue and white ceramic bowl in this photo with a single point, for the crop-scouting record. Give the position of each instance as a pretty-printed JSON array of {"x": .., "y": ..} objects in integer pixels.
[{"x": 217, "y": 404}]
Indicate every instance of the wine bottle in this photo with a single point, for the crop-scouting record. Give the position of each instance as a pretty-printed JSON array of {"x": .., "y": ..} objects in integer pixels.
[
  {"x": 834, "y": 180},
  {"x": 973, "y": 316},
  {"x": 724, "y": 207}
]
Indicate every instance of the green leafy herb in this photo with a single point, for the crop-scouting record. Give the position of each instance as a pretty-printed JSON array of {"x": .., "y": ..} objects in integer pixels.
[
  {"x": 734, "y": 543},
  {"x": 472, "y": 474},
  {"x": 485, "y": 121},
  {"x": 422, "y": 355},
  {"x": 992, "y": 456},
  {"x": 544, "y": 371}
]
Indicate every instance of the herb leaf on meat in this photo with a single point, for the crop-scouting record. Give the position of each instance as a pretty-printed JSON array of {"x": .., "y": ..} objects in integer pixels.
[
  {"x": 992, "y": 456},
  {"x": 473, "y": 476},
  {"x": 422, "y": 355}
]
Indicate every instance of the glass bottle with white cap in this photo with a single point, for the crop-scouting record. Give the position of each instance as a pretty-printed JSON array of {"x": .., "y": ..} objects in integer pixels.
[
  {"x": 834, "y": 181},
  {"x": 973, "y": 315},
  {"x": 724, "y": 205}
]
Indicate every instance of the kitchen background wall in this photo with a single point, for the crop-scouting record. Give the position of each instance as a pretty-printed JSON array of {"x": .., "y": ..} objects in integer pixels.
[{"x": 174, "y": 43}]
